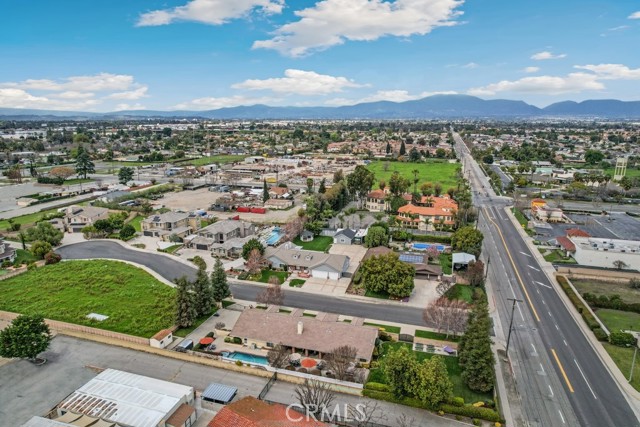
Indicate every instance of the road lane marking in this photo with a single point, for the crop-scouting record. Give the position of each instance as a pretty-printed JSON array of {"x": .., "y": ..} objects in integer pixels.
[
  {"x": 561, "y": 417},
  {"x": 564, "y": 374},
  {"x": 551, "y": 390},
  {"x": 534, "y": 348},
  {"x": 565, "y": 343},
  {"x": 513, "y": 264},
  {"x": 533, "y": 268},
  {"x": 585, "y": 379},
  {"x": 544, "y": 302},
  {"x": 525, "y": 254},
  {"x": 557, "y": 327},
  {"x": 542, "y": 284},
  {"x": 542, "y": 369}
]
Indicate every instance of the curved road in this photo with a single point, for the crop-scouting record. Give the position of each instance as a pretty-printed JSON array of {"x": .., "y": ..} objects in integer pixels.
[{"x": 171, "y": 269}]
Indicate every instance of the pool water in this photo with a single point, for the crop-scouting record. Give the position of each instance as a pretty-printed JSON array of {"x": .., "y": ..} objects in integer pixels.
[
  {"x": 425, "y": 246},
  {"x": 274, "y": 237},
  {"x": 248, "y": 358}
]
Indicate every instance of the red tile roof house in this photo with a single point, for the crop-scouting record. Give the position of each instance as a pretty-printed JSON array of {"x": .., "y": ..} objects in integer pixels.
[
  {"x": 430, "y": 212},
  {"x": 251, "y": 412}
]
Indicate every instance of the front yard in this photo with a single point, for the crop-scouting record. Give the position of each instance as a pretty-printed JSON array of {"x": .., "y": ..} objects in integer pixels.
[
  {"x": 319, "y": 243},
  {"x": 617, "y": 320},
  {"x": 136, "y": 303},
  {"x": 265, "y": 275}
]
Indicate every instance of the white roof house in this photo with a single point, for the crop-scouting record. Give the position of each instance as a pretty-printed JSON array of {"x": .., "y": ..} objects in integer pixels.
[{"x": 127, "y": 399}]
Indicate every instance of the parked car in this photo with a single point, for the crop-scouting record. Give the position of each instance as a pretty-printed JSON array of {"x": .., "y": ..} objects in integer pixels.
[{"x": 184, "y": 346}]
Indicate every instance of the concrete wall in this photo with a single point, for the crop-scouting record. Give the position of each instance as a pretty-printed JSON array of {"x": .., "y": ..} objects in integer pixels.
[{"x": 597, "y": 273}]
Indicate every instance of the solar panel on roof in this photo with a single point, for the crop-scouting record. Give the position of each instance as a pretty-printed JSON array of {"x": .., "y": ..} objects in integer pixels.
[
  {"x": 413, "y": 259},
  {"x": 219, "y": 393}
]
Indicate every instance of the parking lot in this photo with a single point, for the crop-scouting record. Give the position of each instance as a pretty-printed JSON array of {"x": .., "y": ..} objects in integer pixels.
[{"x": 614, "y": 226}]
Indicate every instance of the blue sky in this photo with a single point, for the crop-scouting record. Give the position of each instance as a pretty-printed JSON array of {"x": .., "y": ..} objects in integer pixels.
[{"x": 104, "y": 55}]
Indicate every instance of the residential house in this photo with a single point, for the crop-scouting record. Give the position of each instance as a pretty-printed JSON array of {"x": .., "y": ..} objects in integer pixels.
[
  {"x": 223, "y": 238},
  {"x": 431, "y": 211},
  {"x": 168, "y": 224},
  {"x": 7, "y": 253},
  {"x": 344, "y": 236},
  {"x": 316, "y": 264},
  {"x": 279, "y": 192},
  {"x": 376, "y": 201},
  {"x": 252, "y": 412},
  {"x": 311, "y": 336},
  {"x": 78, "y": 217}
]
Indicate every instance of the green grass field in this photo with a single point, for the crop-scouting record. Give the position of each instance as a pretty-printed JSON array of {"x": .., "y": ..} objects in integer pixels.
[
  {"x": 136, "y": 223},
  {"x": 266, "y": 274},
  {"x": 420, "y": 333},
  {"x": 319, "y": 243},
  {"x": 432, "y": 171},
  {"x": 26, "y": 219},
  {"x": 24, "y": 257},
  {"x": 136, "y": 303},
  {"x": 183, "y": 332},
  {"x": 387, "y": 328},
  {"x": 461, "y": 292},
  {"x": 454, "y": 370},
  {"x": 556, "y": 256},
  {"x": 77, "y": 181},
  {"x": 446, "y": 261},
  {"x": 617, "y": 320},
  {"x": 623, "y": 358},
  {"x": 222, "y": 159}
]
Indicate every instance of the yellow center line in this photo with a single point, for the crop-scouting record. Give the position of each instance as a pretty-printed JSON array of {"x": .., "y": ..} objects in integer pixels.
[
  {"x": 513, "y": 264},
  {"x": 564, "y": 374}
]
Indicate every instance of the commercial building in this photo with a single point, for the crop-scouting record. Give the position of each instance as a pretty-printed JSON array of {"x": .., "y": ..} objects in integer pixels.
[
  {"x": 607, "y": 253},
  {"x": 313, "y": 336}
]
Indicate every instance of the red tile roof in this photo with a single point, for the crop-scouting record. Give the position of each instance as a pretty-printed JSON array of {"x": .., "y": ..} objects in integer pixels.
[
  {"x": 377, "y": 194},
  {"x": 576, "y": 232},
  {"x": 566, "y": 244},
  {"x": 251, "y": 412},
  {"x": 181, "y": 415},
  {"x": 162, "y": 334}
]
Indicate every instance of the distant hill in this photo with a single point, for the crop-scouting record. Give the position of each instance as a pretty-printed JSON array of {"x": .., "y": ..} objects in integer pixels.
[{"x": 432, "y": 107}]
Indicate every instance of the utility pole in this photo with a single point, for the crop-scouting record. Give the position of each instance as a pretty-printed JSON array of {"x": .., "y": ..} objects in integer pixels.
[
  {"x": 513, "y": 309},
  {"x": 486, "y": 272}
]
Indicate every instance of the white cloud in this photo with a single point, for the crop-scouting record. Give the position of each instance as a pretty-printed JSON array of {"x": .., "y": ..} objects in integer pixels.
[
  {"x": 635, "y": 15},
  {"x": 97, "y": 82},
  {"x": 386, "y": 95},
  {"x": 332, "y": 22},
  {"x": 619, "y": 28},
  {"x": 136, "y": 106},
  {"x": 541, "y": 56},
  {"x": 531, "y": 69},
  {"x": 549, "y": 85},
  {"x": 73, "y": 94},
  {"x": 141, "y": 92},
  {"x": 470, "y": 65},
  {"x": 612, "y": 71},
  {"x": 211, "y": 103},
  {"x": 20, "y": 98},
  {"x": 300, "y": 82},
  {"x": 214, "y": 12}
]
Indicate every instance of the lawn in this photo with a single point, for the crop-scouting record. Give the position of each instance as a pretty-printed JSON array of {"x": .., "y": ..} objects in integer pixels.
[
  {"x": 420, "y": 333},
  {"x": 432, "y": 171},
  {"x": 266, "y": 274},
  {"x": 445, "y": 262},
  {"x": 136, "y": 223},
  {"x": 171, "y": 249},
  {"x": 24, "y": 257},
  {"x": 623, "y": 358},
  {"x": 222, "y": 159},
  {"x": 524, "y": 222},
  {"x": 461, "y": 292},
  {"x": 598, "y": 287},
  {"x": 373, "y": 294},
  {"x": 296, "y": 283},
  {"x": 556, "y": 256},
  {"x": 387, "y": 328},
  {"x": 319, "y": 243},
  {"x": 617, "y": 320},
  {"x": 459, "y": 388},
  {"x": 26, "y": 219},
  {"x": 77, "y": 181},
  {"x": 135, "y": 301}
]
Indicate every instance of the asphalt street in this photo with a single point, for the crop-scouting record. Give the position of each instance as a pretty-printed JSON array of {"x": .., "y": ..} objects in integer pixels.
[
  {"x": 561, "y": 379},
  {"x": 171, "y": 269}
]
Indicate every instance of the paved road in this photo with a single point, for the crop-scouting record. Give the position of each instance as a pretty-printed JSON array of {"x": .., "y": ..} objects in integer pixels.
[
  {"x": 171, "y": 269},
  {"x": 561, "y": 379}
]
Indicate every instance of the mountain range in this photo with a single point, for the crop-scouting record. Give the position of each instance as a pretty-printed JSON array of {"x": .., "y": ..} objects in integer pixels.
[{"x": 432, "y": 107}]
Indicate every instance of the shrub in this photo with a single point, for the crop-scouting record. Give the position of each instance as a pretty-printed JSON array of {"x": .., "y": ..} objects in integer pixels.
[
  {"x": 472, "y": 412},
  {"x": 634, "y": 283},
  {"x": 457, "y": 401},
  {"x": 219, "y": 325},
  {"x": 40, "y": 248},
  {"x": 600, "y": 334},
  {"x": 127, "y": 232},
  {"x": 622, "y": 339},
  {"x": 31, "y": 266},
  {"x": 237, "y": 340},
  {"x": 238, "y": 363},
  {"x": 441, "y": 413},
  {"x": 589, "y": 319},
  {"x": 357, "y": 277},
  {"x": 476, "y": 422},
  {"x": 459, "y": 417},
  {"x": 227, "y": 339},
  {"x": 51, "y": 258},
  {"x": 377, "y": 386}
]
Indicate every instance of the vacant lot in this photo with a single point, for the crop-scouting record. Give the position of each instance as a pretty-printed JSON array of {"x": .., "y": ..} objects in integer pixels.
[
  {"x": 433, "y": 171},
  {"x": 221, "y": 159},
  {"x": 135, "y": 301},
  {"x": 454, "y": 370},
  {"x": 617, "y": 320},
  {"x": 598, "y": 287}
]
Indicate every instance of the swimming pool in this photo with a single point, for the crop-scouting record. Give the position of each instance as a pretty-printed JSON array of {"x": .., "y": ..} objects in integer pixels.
[
  {"x": 274, "y": 237},
  {"x": 247, "y": 358},
  {"x": 425, "y": 246}
]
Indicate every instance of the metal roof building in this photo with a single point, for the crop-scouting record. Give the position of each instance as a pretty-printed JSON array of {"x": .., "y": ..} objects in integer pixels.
[{"x": 219, "y": 393}]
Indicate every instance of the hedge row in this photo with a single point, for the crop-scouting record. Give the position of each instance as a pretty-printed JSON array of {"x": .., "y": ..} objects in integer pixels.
[
  {"x": 403, "y": 235},
  {"x": 589, "y": 318},
  {"x": 614, "y": 302},
  {"x": 371, "y": 391},
  {"x": 50, "y": 180}
]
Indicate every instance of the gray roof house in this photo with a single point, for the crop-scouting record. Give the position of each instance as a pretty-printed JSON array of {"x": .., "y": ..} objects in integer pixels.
[
  {"x": 78, "y": 217},
  {"x": 316, "y": 264},
  {"x": 344, "y": 236},
  {"x": 7, "y": 253}
]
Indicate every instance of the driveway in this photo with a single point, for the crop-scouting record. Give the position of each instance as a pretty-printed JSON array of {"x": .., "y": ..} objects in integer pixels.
[
  {"x": 354, "y": 252},
  {"x": 27, "y": 390}
]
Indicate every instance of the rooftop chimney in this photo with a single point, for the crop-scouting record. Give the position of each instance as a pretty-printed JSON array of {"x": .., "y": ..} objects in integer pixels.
[{"x": 300, "y": 327}]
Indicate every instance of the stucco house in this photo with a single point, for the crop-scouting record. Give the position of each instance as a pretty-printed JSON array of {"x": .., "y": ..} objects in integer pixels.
[
  {"x": 167, "y": 224},
  {"x": 78, "y": 217},
  {"x": 7, "y": 253},
  {"x": 317, "y": 264}
]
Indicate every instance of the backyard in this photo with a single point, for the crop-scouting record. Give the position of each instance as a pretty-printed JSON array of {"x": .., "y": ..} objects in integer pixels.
[
  {"x": 319, "y": 243},
  {"x": 26, "y": 219},
  {"x": 459, "y": 388},
  {"x": 135, "y": 301},
  {"x": 432, "y": 171},
  {"x": 136, "y": 223},
  {"x": 460, "y": 292}
]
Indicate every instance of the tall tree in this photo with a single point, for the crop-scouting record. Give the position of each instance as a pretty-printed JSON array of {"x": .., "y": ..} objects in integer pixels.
[
  {"x": 386, "y": 273},
  {"x": 265, "y": 191},
  {"x": 403, "y": 149},
  {"x": 26, "y": 337},
  {"x": 315, "y": 397},
  {"x": 341, "y": 361},
  {"x": 84, "y": 165},
  {"x": 203, "y": 293},
  {"x": 467, "y": 239},
  {"x": 251, "y": 245},
  {"x": 376, "y": 236},
  {"x": 125, "y": 175},
  {"x": 185, "y": 305},
  {"x": 322, "y": 188},
  {"x": 475, "y": 356},
  {"x": 278, "y": 356},
  {"x": 338, "y": 176},
  {"x": 309, "y": 185},
  {"x": 400, "y": 370},
  {"x": 219, "y": 285},
  {"x": 433, "y": 385},
  {"x": 360, "y": 181},
  {"x": 45, "y": 232},
  {"x": 63, "y": 172},
  {"x": 273, "y": 295},
  {"x": 255, "y": 263}
]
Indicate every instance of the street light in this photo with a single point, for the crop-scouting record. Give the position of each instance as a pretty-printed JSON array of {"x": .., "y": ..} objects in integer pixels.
[
  {"x": 513, "y": 308},
  {"x": 633, "y": 362}
]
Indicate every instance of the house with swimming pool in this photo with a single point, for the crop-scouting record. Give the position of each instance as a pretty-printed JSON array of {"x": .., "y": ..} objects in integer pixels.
[
  {"x": 428, "y": 213},
  {"x": 310, "y": 336},
  {"x": 316, "y": 264}
]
